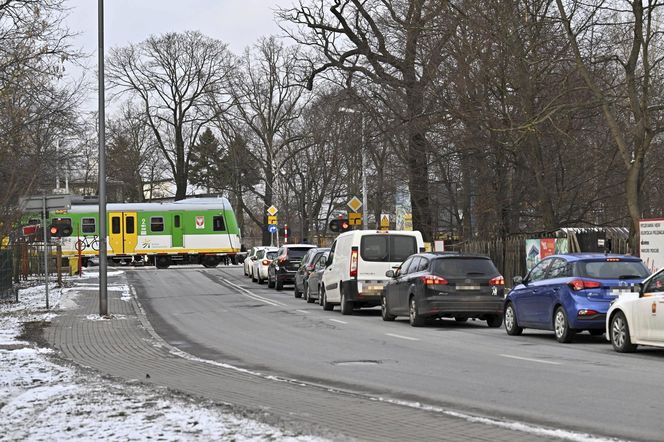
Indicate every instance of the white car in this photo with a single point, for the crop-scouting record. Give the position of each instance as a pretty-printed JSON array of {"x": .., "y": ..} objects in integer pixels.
[
  {"x": 355, "y": 270},
  {"x": 638, "y": 319},
  {"x": 261, "y": 263},
  {"x": 249, "y": 260}
]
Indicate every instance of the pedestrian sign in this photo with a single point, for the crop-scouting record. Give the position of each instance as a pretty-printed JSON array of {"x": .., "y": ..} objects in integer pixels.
[
  {"x": 354, "y": 204},
  {"x": 272, "y": 210},
  {"x": 384, "y": 221},
  {"x": 355, "y": 219},
  {"x": 272, "y": 220}
]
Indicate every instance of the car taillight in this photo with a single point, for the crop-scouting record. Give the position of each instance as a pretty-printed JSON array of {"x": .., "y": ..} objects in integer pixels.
[
  {"x": 433, "y": 280},
  {"x": 580, "y": 284},
  {"x": 353, "y": 262},
  {"x": 266, "y": 262},
  {"x": 498, "y": 280},
  {"x": 587, "y": 312}
]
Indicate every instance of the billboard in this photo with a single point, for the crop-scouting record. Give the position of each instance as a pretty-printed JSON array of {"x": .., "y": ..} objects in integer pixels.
[
  {"x": 540, "y": 248},
  {"x": 651, "y": 247}
]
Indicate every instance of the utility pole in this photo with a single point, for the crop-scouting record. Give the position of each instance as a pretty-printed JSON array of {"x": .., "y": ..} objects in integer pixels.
[{"x": 103, "y": 252}]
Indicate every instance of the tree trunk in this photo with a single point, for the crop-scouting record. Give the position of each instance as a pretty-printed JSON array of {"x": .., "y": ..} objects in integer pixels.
[
  {"x": 418, "y": 169},
  {"x": 633, "y": 195}
]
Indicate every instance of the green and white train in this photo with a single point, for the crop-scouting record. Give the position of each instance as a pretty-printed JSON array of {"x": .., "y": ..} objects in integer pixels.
[{"x": 191, "y": 231}]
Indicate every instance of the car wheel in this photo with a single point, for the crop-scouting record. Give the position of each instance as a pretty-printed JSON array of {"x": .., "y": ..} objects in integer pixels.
[
  {"x": 596, "y": 332},
  {"x": 320, "y": 295},
  {"x": 279, "y": 285},
  {"x": 253, "y": 277},
  {"x": 326, "y": 305},
  {"x": 385, "y": 310},
  {"x": 346, "y": 305},
  {"x": 494, "y": 321},
  {"x": 620, "y": 338},
  {"x": 511, "y": 327},
  {"x": 270, "y": 282},
  {"x": 413, "y": 315},
  {"x": 260, "y": 280},
  {"x": 296, "y": 292},
  {"x": 461, "y": 318},
  {"x": 561, "y": 328}
]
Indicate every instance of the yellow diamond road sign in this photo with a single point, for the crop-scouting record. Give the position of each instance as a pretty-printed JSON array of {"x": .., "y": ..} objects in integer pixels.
[
  {"x": 272, "y": 210},
  {"x": 354, "y": 203}
]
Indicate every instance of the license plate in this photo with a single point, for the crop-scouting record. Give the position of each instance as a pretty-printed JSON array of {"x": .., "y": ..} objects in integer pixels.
[
  {"x": 618, "y": 292},
  {"x": 467, "y": 287}
]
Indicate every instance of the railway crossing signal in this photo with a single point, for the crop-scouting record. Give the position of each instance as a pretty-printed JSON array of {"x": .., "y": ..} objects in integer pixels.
[
  {"x": 339, "y": 225},
  {"x": 60, "y": 228}
]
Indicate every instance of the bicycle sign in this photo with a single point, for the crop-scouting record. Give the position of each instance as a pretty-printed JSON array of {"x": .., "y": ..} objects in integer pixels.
[{"x": 87, "y": 242}]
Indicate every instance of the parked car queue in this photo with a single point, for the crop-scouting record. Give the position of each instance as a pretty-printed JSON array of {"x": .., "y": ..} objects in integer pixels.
[{"x": 565, "y": 293}]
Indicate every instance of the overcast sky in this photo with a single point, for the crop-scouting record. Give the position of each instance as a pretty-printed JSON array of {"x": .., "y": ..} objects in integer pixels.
[
  {"x": 239, "y": 23},
  {"x": 236, "y": 22}
]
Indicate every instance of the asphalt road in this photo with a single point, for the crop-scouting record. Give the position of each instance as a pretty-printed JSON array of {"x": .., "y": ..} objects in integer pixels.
[{"x": 219, "y": 314}]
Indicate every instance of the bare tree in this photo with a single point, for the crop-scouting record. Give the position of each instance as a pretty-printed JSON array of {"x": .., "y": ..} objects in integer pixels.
[
  {"x": 396, "y": 44},
  {"x": 172, "y": 76},
  {"x": 268, "y": 101},
  {"x": 617, "y": 47}
]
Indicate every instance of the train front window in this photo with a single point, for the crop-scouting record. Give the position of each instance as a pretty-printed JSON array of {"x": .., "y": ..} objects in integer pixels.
[
  {"x": 157, "y": 224},
  {"x": 88, "y": 225},
  {"x": 218, "y": 224}
]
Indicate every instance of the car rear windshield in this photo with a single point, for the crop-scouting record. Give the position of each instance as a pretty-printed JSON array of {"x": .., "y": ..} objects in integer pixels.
[
  {"x": 612, "y": 269},
  {"x": 464, "y": 267},
  {"x": 387, "y": 248},
  {"x": 271, "y": 255},
  {"x": 297, "y": 252}
]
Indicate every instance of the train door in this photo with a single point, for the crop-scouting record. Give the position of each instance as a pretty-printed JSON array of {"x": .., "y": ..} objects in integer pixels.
[
  {"x": 122, "y": 235},
  {"x": 177, "y": 231}
]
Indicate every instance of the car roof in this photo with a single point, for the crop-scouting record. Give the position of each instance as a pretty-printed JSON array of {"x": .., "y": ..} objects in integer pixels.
[
  {"x": 432, "y": 255},
  {"x": 593, "y": 256},
  {"x": 311, "y": 246}
]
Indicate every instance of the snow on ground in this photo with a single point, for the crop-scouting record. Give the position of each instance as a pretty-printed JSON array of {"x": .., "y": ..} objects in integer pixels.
[{"x": 43, "y": 398}]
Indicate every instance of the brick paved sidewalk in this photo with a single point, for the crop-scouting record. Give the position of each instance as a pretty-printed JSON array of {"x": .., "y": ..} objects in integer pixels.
[{"x": 127, "y": 347}]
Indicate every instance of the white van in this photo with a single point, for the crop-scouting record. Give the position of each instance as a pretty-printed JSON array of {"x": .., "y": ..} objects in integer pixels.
[{"x": 355, "y": 272}]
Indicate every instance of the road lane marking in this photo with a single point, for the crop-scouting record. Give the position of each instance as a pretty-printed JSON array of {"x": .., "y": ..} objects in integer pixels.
[
  {"x": 339, "y": 321},
  {"x": 530, "y": 359},
  {"x": 302, "y": 311},
  {"x": 253, "y": 295},
  {"x": 408, "y": 338}
]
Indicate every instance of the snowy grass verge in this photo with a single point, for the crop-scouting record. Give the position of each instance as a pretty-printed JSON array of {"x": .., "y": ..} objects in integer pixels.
[{"x": 44, "y": 399}]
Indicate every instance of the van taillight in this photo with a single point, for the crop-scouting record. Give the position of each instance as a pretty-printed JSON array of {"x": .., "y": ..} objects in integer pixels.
[
  {"x": 498, "y": 280},
  {"x": 433, "y": 280},
  {"x": 353, "y": 262},
  {"x": 580, "y": 284}
]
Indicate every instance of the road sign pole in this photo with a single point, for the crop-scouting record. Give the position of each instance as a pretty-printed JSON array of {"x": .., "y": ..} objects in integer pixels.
[
  {"x": 45, "y": 251},
  {"x": 103, "y": 262}
]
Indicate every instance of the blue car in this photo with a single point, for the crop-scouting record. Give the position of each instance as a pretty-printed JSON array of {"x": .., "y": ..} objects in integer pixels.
[{"x": 569, "y": 293}]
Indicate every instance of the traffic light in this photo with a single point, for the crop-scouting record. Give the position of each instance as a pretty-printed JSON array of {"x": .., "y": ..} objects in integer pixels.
[
  {"x": 339, "y": 225},
  {"x": 60, "y": 227}
]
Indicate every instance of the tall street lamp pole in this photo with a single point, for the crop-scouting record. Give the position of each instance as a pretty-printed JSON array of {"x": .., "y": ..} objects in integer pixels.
[
  {"x": 365, "y": 215},
  {"x": 103, "y": 255}
]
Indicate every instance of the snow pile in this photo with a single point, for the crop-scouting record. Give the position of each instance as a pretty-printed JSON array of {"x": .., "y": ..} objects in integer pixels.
[{"x": 44, "y": 400}]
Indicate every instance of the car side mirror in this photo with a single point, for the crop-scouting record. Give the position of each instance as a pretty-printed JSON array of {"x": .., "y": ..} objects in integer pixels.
[
  {"x": 517, "y": 280},
  {"x": 638, "y": 288},
  {"x": 390, "y": 273}
]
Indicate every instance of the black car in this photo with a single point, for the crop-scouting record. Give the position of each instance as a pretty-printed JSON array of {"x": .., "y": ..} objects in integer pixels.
[
  {"x": 306, "y": 267},
  {"x": 437, "y": 285},
  {"x": 312, "y": 284},
  {"x": 282, "y": 269}
]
